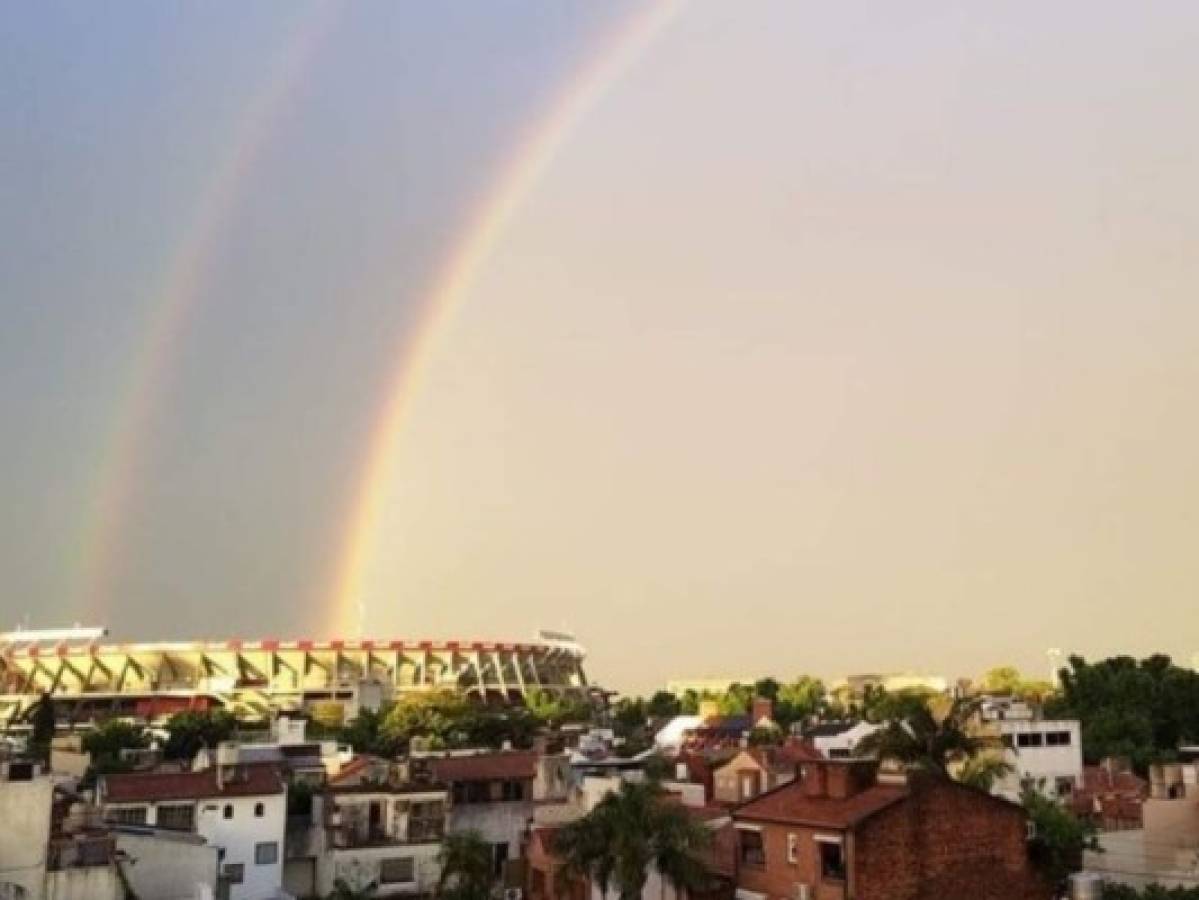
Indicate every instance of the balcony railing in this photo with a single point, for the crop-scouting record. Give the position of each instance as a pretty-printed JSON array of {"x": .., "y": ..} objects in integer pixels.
[{"x": 355, "y": 836}]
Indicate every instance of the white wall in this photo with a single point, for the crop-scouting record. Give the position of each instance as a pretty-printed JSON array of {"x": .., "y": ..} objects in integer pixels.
[
  {"x": 168, "y": 867},
  {"x": 1044, "y": 764},
  {"x": 845, "y": 743},
  {"x": 240, "y": 834},
  {"x": 86, "y": 883},
  {"x": 25, "y": 833},
  {"x": 360, "y": 866}
]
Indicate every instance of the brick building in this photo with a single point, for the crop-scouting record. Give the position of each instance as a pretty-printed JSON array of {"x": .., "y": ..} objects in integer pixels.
[{"x": 837, "y": 833}]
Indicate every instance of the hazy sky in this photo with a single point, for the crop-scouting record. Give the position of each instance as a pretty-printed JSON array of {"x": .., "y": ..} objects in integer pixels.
[{"x": 833, "y": 337}]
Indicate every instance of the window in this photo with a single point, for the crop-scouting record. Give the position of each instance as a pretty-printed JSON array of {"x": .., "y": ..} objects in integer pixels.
[
  {"x": 129, "y": 815},
  {"x": 398, "y": 870},
  {"x": 793, "y": 848},
  {"x": 1030, "y": 739},
  {"x": 180, "y": 816},
  {"x": 235, "y": 873},
  {"x": 840, "y": 753},
  {"x": 266, "y": 853},
  {"x": 259, "y": 809},
  {"x": 753, "y": 851},
  {"x": 1065, "y": 786},
  {"x": 499, "y": 856},
  {"x": 513, "y": 790},
  {"x": 228, "y": 811},
  {"x": 832, "y": 862},
  {"x": 1058, "y": 739}
]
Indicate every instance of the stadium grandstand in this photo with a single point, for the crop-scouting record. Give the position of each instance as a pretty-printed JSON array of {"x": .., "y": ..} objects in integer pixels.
[{"x": 89, "y": 679}]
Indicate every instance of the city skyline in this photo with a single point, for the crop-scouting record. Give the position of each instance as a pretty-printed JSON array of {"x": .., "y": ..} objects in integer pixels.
[{"x": 643, "y": 321}]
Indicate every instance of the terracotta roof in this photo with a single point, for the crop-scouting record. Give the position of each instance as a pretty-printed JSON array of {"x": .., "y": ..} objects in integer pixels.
[
  {"x": 354, "y": 767},
  {"x": 788, "y": 804},
  {"x": 485, "y": 766},
  {"x": 245, "y": 781}
]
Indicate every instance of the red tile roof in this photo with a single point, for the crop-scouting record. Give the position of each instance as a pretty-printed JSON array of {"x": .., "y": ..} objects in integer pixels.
[
  {"x": 787, "y": 804},
  {"x": 485, "y": 766},
  {"x": 244, "y": 781}
]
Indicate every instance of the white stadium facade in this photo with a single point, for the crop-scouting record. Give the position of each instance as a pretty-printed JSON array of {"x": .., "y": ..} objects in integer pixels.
[{"x": 89, "y": 679}]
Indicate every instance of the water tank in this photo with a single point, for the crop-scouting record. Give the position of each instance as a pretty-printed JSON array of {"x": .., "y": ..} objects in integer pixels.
[{"x": 1086, "y": 886}]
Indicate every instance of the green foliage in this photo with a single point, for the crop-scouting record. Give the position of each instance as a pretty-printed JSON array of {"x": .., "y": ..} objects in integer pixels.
[
  {"x": 366, "y": 734},
  {"x": 627, "y": 832},
  {"x": 803, "y": 697},
  {"x": 465, "y": 860},
  {"x": 1008, "y": 680},
  {"x": 44, "y": 720},
  {"x": 447, "y": 719},
  {"x": 689, "y": 703},
  {"x": 107, "y": 741},
  {"x": 550, "y": 709},
  {"x": 737, "y": 700},
  {"x": 1060, "y": 838},
  {"x": 629, "y": 716},
  {"x": 1142, "y": 710},
  {"x": 924, "y": 739},
  {"x": 665, "y": 705},
  {"x": 984, "y": 770},
  {"x": 190, "y": 732}
]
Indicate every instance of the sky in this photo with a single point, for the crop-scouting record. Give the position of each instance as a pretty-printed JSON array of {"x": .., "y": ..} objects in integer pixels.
[{"x": 735, "y": 338}]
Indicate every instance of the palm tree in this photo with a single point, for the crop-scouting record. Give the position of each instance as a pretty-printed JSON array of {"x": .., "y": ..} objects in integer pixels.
[
  {"x": 984, "y": 770},
  {"x": 629, "y": 831},
  {"x": 929, "y": 740},
  {"x": 465, "y": 860}
]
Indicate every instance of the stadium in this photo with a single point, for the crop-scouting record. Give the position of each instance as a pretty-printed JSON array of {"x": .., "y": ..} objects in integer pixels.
[{"x": 91, "y": 680}]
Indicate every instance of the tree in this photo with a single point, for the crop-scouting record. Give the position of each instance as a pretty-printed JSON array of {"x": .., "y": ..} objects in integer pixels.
[
  {"x": 983, "y": 770},
  {"x": 736, "y": 700},
  {"x": 628, "y": 832},
  {"x": 1142, "y": 710},
  {"x": 629, "y": 715},
  {"x": 190, "y": 732},
  {"x": 689, "y": 702},
  {"x": 107, "y": 741},
  {"x": 799, "y": 699},
  {"x": 1059, "y": 838},
  {"x": 44, "y": 720},
  {"x": 365, "y": 733},
  {"x": 663, "y": 705},
  {"x": 926, "y": 739},
  {"x": 466, "y": 872}
]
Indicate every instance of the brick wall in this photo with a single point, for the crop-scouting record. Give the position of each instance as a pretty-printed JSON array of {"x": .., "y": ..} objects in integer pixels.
[{"x": 944, "y": 842}]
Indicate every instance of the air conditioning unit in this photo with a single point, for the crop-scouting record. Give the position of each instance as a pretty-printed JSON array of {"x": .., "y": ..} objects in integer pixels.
[{"x": 803, "y": 891}]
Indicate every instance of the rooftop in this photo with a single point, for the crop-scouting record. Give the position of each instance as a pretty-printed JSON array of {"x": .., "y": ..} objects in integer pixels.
[
  {"x": 242, "y": 781},
  {"x": 789, "y": 805},
  {"x": 505, "y": 764}
]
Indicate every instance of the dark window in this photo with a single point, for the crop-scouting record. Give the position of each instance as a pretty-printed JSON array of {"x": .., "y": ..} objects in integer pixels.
[
  {"x": 228, "y": 811},
  {"x": 399, "y": 870},
  {"x": 499, "y": 856},
  {"x": 235, "y": 873},
  {"x": 839, "y": 753},
  {"x": 130, "y": 815},
  {"x": 753, "y": 851},
  {"x": 176, "y": 815},
  {"x": 832, "y": 862},
  {"x": 266, "y": 854},
  {"x": 1030, "y": 739},
  {"x": 259, "y": 809},
  {"x": 1058, "y": 739},
  {"x": 513, "y": 790},
  {"x": 1065, "y": 786}
]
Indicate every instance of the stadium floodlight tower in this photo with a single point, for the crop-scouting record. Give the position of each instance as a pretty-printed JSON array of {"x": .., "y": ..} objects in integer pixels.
[{"x": 1055, "y": 666}]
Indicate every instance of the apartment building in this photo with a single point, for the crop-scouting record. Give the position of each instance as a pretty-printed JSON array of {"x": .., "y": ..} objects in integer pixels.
[{"x": 239, "y": 809}]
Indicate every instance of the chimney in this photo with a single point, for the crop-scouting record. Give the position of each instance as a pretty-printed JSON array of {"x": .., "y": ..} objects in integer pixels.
[{"x": 763, "y": 708}]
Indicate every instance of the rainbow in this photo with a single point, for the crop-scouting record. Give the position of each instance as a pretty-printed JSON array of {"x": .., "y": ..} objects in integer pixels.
[
  {"x": 124, "y": 449},
  {"x": 530, "y": 158}
]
